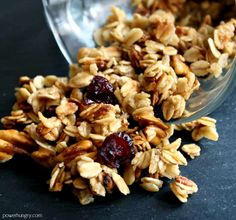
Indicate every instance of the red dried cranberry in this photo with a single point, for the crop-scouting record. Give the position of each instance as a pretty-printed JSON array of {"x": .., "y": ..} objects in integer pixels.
[
  {"x": 116, "y": 150},
  {"x": 100, "y": 90}
]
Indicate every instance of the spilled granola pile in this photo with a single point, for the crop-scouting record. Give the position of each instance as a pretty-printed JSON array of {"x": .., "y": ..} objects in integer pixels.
[{"x": 104, "y": 127}]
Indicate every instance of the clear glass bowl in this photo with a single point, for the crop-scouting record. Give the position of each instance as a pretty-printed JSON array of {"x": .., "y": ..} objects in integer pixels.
[{"x": 74, "y": 21}]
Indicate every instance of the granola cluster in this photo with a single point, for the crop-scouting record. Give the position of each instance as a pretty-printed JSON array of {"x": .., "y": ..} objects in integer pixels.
[{"x": 98, "y": 129}]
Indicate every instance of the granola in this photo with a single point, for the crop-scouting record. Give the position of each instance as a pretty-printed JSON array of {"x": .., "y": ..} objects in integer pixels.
[
  {"x": 182, "y": 187},
  {"x": 98, "y": 129}
]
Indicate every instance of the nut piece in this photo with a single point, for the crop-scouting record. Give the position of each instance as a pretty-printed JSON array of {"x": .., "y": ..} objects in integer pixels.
[
  {"x": 4, "y": 157},
  {"x": 80, "y": 183},
  {"x": 182, "y": 187},
  {"x": 44, "y": 157},
  {"x": 18, "y": 139},
  {"x": 179, "y": 66},
  {"x": 6, "y": 151},
  {"x": 192, "y": 150},
  {"x": 75, "y": 150},
  {"x": 57, "y": 178}
]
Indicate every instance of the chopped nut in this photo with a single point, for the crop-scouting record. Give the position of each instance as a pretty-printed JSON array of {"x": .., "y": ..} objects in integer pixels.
[
  {"x": 108, "y": 182},
  {"x": 18, "y": 139},
  {"x": 6, "y": 147},
  {"x": 80, "y": 148},
  {"x": 57, "y": 178},
  {"x": 179, "y": 66},
  {"x": 4, "y": 157},
  {"x": 182, "y": 187},
  {"x": 44, "y": 157},
  {"x": 79, "y": 183}
]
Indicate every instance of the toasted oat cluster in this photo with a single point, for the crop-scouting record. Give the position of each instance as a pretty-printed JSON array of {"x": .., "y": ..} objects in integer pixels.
[{"x": 103, "y": 128}]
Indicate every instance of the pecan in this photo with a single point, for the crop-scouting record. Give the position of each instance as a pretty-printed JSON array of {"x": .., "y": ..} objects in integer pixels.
[
  {"x": 6, "y": 151},
  {"x": 75, "y": 150},
  {"x": 182, "y": 187},
  {"x": 44, "y": 157},
  {"x": 6, "y": 147},
  {"x": 80, "y": 183},
  {"x": 135, "y": 56},
  {"x": 179, "y": 66},
  {"x": 148, "y": 119},
  {"x": 108, "y": 182},
  {"x": 57, "y": 178},
  {"x": 95, "y": 110},
  {"x": 19, "y": 139},
  {"x": 185, "y": 181}
]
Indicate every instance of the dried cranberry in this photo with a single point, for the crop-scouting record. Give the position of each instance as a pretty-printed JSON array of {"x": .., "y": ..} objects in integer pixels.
[
  {"x": 116, "y": 150},
  {"x": 100, "y": 90}
]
